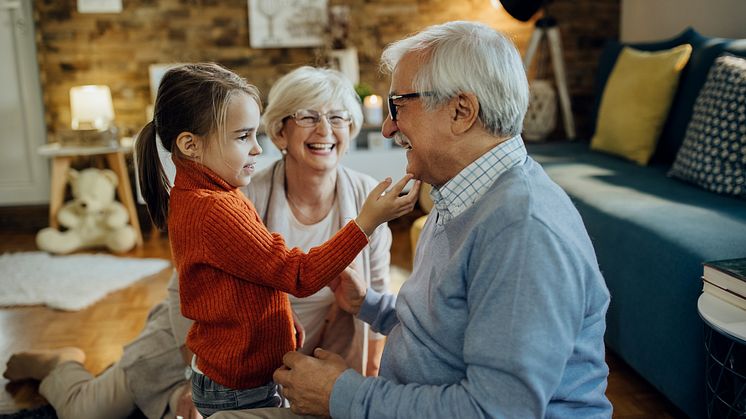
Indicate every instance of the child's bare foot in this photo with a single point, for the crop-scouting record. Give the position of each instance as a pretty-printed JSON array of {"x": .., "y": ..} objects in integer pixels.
[{"x": 37, "y": 364}]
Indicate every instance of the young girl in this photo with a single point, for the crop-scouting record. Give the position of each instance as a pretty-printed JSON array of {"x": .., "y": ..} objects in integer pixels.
[{"x": 233, "y": 273}]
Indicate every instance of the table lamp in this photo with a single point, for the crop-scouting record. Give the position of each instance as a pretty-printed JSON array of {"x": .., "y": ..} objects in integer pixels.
[
  {"x": 92, "y": 116},
  {"x": 91, "y": 107}
]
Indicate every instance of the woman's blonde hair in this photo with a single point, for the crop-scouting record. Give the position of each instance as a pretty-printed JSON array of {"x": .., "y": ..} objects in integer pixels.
[{"x": 310, "y": 88}]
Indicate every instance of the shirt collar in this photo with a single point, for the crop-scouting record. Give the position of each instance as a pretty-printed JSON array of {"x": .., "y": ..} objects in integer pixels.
[{"x": 471, "y": 183}]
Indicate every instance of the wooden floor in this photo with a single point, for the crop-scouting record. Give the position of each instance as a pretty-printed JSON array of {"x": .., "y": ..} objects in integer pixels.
[{"x": 102, "y": 329}]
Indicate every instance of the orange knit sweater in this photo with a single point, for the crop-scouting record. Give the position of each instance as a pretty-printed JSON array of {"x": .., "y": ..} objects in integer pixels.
[{"x": 233, "y": 276}]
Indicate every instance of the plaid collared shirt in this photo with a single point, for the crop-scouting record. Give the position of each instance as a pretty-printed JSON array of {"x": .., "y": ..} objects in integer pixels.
[{"x": 459, "y": 193}]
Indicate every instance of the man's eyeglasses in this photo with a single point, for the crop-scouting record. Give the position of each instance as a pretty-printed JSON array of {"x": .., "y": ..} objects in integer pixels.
[
  {"x": 393, "y": 98},
  {"x": 308, "y": 118}
]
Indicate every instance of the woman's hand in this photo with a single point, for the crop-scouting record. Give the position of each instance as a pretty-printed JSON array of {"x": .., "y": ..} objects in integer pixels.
[
  {"x": 383, "y": 205},
  {"x": 349, "y": 290},
  {"x": 185, "y": 406},
  {"x": 300, "y": 332}
]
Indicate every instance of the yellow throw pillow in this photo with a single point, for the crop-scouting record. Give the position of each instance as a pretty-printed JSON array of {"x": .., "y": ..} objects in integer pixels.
[{"x": 636, "y": 100}]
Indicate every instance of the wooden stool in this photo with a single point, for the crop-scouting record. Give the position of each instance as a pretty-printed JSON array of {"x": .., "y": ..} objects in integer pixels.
[{"x": 114, "y": 157}]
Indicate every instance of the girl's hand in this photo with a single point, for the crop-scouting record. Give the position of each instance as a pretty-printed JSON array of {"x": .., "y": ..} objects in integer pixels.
[
  {"x": 300, "y": 332},
  {"x": 384, "y": 205}
]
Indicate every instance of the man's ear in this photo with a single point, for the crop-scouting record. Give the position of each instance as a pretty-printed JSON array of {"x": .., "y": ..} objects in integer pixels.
[
  {"x": 189, "y": 145},
  {"x": 464, "y": 112}
]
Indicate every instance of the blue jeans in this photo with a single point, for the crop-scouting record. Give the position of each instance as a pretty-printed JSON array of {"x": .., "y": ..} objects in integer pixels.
[{"x": 210, "y": 397}]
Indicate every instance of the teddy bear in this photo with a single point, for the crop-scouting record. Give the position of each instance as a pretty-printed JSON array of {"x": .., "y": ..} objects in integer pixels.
[{"x": 93, "y": 218}]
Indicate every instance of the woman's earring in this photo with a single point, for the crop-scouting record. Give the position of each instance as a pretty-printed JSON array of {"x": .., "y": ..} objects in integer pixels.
[{"x": 284, "y": 151}]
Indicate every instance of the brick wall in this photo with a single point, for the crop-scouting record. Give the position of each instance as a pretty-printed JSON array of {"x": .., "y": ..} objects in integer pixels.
[{"x": 116, "y": 49}]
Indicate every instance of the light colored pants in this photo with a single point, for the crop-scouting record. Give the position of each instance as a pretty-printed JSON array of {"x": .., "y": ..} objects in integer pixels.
[
  {"x": 266, "y": 413},
  {"x": 76, "y": 394}
]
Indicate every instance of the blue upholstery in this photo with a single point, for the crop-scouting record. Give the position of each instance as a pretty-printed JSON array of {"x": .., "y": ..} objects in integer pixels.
[{"x": 651, "y": 234}]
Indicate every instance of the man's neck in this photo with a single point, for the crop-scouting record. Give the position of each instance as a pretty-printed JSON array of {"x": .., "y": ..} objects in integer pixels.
[{"x": 470, "y": 147}]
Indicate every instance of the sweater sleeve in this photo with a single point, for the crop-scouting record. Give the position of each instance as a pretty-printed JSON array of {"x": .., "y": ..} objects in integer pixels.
[
  {"x": 525, "y": 309},
  {"x": 378, "y": 310},
  {"x": 236, "y": 241}
]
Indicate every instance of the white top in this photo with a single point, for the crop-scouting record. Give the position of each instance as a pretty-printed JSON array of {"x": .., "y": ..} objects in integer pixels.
[
  {"x": 722, "y": 316},
  {"x": 312, "y": 309}
]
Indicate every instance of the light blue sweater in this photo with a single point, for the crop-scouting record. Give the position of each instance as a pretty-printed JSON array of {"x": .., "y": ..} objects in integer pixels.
[{"x": 503, "y": 316}]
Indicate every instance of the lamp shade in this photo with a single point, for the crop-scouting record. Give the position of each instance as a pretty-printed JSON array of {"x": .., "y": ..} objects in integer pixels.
[
  {"x": 522, "y": 10},
  {"x": 91, "y": 107}
]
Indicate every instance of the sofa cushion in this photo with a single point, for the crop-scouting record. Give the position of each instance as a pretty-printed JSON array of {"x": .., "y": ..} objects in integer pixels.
[
  {"x": 704, "y": 52},
  {"x": 692, "y": 80},
  {"x": 713, "y": 155},
  {"x": 636, "y": 101},
  {"x": 613, "y": 48}
]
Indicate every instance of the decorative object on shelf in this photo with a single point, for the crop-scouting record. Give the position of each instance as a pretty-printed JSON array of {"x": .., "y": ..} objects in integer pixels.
[
  {"x": 92, "y": 117},
  {"x": 345, "y": 60},
  {"x": 373, "y": 110},
  {"x": 287, "y": 23},
  {"x": 94, "y": 218},
  {"x": 376, "y": 141},
  {"x": 363, "y": 90},
  {"x": 541, "y": 116},
  {"x": 524, "y": 10}
]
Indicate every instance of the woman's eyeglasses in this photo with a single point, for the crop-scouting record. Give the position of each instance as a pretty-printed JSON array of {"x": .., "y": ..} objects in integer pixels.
[{"x": 308, "y": 118}]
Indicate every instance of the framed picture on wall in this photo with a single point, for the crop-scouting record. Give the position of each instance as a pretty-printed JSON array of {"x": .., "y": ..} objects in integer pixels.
[
  {"x": 345, "y": 60},
  {"x": 287, "y": 23}
]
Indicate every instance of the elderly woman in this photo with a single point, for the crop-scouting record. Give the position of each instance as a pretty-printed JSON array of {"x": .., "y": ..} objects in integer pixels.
[{"x": 307, "y": 196}]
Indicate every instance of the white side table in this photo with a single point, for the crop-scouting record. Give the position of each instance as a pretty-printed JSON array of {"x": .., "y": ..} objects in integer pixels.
[
  {"x": 114, "y": 156},
  {"x": 725, "y": 369}
]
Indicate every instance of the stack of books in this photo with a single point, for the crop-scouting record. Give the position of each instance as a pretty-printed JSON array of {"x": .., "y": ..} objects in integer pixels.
[{"x": 726, "y": 279}]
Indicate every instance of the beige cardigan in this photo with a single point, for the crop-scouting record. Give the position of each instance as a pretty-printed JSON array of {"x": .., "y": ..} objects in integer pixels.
[{"x": 267, "y": 192}]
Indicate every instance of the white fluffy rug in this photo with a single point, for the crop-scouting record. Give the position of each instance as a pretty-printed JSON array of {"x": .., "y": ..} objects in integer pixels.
[{"x": 70, "y": 282}]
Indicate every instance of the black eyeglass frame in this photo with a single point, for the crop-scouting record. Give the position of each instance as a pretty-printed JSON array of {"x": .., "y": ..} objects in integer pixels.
[{"x": 392, "y": 98}]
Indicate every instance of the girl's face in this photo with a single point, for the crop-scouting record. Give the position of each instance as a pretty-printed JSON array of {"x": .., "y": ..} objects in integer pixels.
[
  {"x": 319, "y": 147},
  {"x": 233, "y": 158}
]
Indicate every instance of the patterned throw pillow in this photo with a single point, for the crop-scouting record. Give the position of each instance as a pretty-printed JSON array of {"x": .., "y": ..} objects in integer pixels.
[{"x": 713, "y": 154}]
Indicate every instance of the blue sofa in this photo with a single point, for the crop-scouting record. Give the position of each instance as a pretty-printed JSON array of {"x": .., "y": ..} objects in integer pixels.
[{"x": 651, "y": 233}]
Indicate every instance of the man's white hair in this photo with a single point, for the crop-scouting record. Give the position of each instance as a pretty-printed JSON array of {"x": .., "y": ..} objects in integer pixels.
[{"x": 468, "y": 57}]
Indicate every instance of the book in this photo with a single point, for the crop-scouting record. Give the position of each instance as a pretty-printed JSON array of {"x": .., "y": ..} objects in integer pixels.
[
  {"x": 723, "y": 294},
  {"x": 729, "y": 274}
]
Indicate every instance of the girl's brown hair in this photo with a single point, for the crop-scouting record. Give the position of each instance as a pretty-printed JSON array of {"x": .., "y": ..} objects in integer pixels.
[{"x": 191, "y": 98}]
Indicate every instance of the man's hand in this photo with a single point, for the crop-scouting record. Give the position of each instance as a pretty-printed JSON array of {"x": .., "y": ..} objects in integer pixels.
[
  {"x": 308, "y": 381},
  {"x": 185, "y": 406},
  {"x": 349, "y": 290}
]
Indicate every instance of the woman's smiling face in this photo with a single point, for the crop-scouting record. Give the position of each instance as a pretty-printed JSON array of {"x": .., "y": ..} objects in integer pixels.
[{"x": 319, "y": 147}]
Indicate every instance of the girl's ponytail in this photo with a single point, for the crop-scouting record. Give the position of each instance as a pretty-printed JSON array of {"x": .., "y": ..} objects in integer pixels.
[{"x": 154, "y": 184}]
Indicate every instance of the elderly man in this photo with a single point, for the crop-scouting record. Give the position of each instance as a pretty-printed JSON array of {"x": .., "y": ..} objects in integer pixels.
[{"x": 503, "y": 315}]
